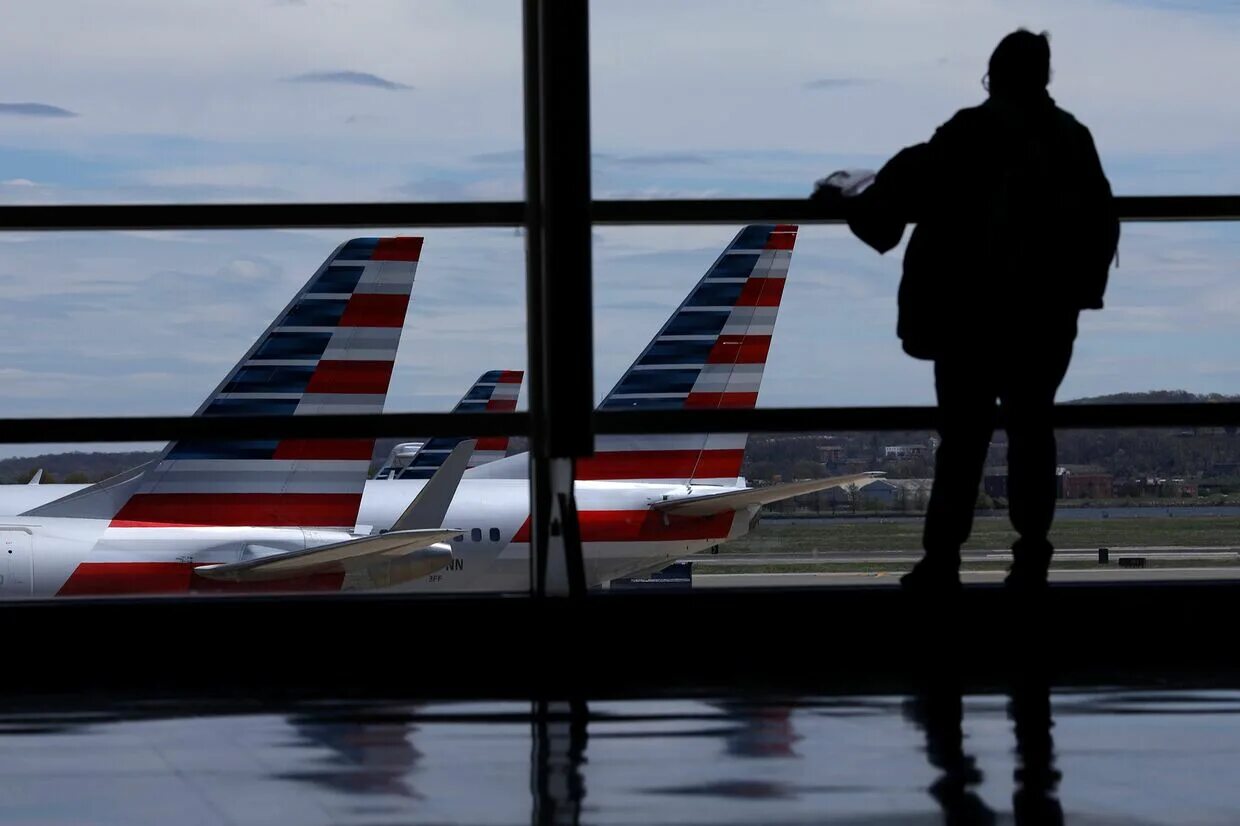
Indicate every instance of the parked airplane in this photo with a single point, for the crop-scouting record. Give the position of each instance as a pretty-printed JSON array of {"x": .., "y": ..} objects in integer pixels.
[
  {"x": 643, "y": 500},
  {"x": 495, "y": 391},
  {"x": 258, "y": 513}
]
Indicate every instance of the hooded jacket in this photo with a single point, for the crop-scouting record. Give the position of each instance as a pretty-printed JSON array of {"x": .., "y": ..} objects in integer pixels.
[{"x": 1015, "y": 224}]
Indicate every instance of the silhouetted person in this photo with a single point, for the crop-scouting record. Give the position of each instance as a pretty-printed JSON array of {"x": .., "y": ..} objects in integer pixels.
[{"x": 1016, "y": 230}]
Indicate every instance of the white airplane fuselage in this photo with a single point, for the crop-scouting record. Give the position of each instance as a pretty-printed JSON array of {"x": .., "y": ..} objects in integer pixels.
[{"x": 621, "y": 533}]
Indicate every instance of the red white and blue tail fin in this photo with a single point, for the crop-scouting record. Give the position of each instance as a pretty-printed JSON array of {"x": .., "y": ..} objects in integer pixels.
[
  {"x": 495, "y": 390},
  {"x": 710, "y": 354},
  {"x": 330, "y": 350}
]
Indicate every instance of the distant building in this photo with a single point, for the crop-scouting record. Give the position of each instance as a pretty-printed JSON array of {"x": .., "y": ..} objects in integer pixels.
[
  {"x": 1180, "y": 487},
  {"x": 906, "y": 451},
  {"x": 1071, "y": 482},
  {"x": 894, "y": 494},
  {"x": 1084, "y": 482},
  {"x": 832, "y": 454}
]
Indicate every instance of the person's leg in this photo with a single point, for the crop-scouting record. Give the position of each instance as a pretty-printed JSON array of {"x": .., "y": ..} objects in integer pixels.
[
  {"x": 966, "y": 414},
  {"x": 1028, "y": 400}
]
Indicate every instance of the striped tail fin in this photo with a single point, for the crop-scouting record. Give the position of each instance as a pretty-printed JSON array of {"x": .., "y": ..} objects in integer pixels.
[
  {"x": 710, "y": 354},
  {"x": 330, "y": 351},
  {"x": 495, "y": 390}
]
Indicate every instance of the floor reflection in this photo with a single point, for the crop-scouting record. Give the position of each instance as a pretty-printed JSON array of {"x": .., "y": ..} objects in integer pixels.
[
  {"x": 761, "y": 730},
  {"x": 1036, "y": 799},
  {"x": 557, "y": 756},
  {"x": 938, "y": 711},
  {"x": 937, "y": 756},
  {"x": 366, "y": 757}
]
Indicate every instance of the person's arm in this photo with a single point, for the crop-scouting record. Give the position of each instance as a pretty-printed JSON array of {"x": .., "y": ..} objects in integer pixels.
[
  {"x": 1101, "y": 224},
  {"x": 879, "y": 214}
]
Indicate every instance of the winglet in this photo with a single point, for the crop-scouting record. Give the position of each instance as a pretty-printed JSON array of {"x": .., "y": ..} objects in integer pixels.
[
  {"x": 37, "y": 478},
  {"x": 430, "y": 506}
]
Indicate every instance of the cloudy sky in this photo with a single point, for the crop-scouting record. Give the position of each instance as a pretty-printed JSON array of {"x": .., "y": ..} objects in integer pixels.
[{"x": 225, "y": 100}]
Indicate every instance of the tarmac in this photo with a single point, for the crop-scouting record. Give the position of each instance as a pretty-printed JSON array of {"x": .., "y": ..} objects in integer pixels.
[{"x": 1109, "y": 573}]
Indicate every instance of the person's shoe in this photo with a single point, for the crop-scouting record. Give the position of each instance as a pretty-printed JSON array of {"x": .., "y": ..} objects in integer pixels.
[
  {"x": 1026, "y": 579},
  {"x": 931, "y": 577},
  {"x": 1030, "y": 563}
]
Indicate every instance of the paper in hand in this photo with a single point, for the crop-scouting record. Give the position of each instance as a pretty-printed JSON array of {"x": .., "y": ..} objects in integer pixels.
[{"x": 844, "y": 183}]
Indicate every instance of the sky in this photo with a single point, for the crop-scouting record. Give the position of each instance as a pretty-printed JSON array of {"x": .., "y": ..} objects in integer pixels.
[{"x": 311, "y": 100}]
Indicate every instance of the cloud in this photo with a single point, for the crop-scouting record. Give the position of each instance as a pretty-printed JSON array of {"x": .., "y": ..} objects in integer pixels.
[
  {"x": 508, "y": 156},
  {"x": 349, "y": 79},
  {"x": 35, "y": 110},
  {"x": 657, "y": 159},
  {"x": 650, "y": 159},
  {"x": 18, "y": 182},
  {"x": 837, "y": 82},
  {"x": 449, "y": 187}
]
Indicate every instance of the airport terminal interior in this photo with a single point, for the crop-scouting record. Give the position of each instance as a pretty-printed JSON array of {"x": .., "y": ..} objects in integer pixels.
[{"x": 536, "y": 412}]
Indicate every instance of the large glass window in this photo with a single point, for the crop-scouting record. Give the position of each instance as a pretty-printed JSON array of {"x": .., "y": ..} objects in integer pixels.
[
  {"x": 272, "y": 101},
  {"x": 737, "y": 99}
]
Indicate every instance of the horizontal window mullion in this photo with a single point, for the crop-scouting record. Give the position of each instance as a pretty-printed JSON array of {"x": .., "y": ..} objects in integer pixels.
[
  {"x": 807, "y": 419},
  {"x": 75, "y": 217},
  {"x": 260, "y": 216},
  {"x": 325, "y": 426},
  {"x": 819, "y": 419}
]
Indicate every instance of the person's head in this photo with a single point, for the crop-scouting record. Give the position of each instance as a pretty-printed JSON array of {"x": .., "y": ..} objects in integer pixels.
[{"x": 1020, "y": 65}]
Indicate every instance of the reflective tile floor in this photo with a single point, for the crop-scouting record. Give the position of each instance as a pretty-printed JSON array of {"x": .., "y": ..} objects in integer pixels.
[{"x": 1097, "y": 757}]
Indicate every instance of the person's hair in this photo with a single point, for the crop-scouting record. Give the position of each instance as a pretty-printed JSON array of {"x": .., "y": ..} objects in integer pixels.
[{"x": 1020, "y": 65}]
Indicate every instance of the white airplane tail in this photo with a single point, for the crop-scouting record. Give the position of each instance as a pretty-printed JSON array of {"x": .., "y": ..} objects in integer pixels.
[
  {"x": 494, "y": 391},
  {"x": 711, "y": 353},
  {"x": 331, "y": 350}
]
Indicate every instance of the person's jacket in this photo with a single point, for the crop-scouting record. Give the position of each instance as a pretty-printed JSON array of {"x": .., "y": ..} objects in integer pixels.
[{"x": 1015, "y": 225}]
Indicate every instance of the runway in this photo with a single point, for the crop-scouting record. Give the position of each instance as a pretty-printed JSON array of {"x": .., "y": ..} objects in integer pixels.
[
  {"x": 1225, "y": 553},
  {"x": 883, "y": 579}
]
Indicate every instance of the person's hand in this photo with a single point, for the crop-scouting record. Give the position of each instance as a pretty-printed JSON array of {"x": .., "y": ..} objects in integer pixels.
[{"x": 843, "y": 183}]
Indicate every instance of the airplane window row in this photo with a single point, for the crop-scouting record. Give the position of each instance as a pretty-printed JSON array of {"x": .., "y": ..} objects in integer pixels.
[{"x": 476, "y": 535}]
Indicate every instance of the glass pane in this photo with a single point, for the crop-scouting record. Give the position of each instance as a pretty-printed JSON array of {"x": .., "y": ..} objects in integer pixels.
[
  {"x": 1164, "y": 335},
  {"x": 270, "y": 101},
  {"x": 733, "y": 99},
  {"x": 253, "y": 323}
]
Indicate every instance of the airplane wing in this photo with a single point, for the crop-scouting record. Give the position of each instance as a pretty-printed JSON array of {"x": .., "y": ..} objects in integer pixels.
[
  {"x": 411, "y": 546},
  {"x": 37, "y": 478},
  {"x": 410, "y": 540},
  {"x": 736, "y": 500}
]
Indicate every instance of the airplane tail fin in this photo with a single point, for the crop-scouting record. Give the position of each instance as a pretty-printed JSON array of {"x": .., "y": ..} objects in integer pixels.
[
  {"x": 495, "y": 390},
  {"x": 330, "y": 350},
  {"x": 711, "y": 353}
]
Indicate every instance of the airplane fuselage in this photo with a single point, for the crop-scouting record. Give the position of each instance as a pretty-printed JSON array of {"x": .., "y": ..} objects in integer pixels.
[{"x": 621, "y": 533}]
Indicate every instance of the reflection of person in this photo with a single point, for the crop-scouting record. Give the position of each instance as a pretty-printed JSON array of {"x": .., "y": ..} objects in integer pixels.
[
  {"x": 938, "y": 711},
  {"x": 1016, "y": 230},
  {"x": 1035, "y": 800}
]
